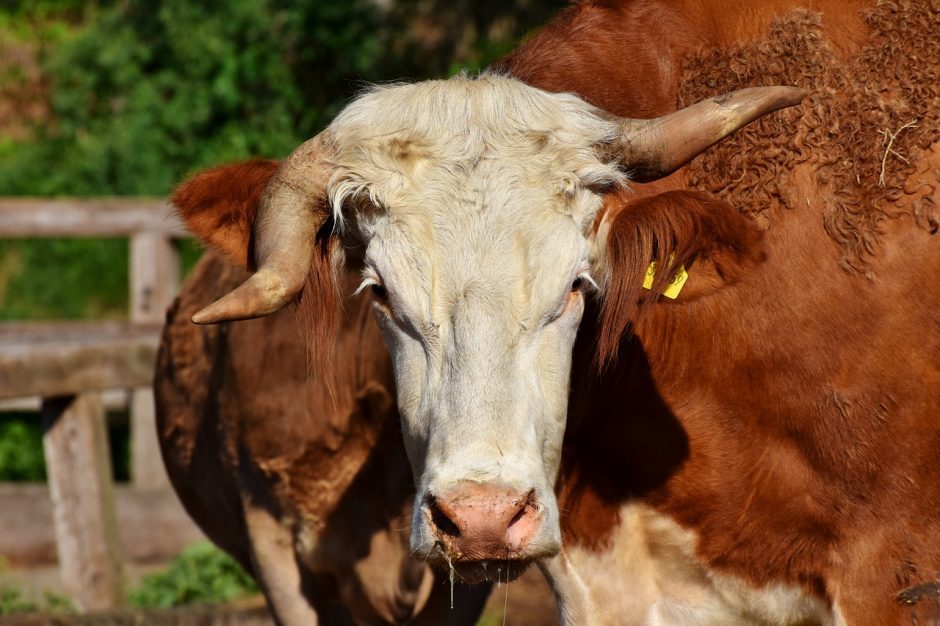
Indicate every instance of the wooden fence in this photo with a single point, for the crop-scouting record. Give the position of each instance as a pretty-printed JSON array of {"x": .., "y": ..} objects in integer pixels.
[{"x": 68, "y": 366}]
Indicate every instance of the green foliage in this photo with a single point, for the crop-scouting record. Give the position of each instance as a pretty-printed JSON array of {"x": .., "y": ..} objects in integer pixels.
[
  {"x": 58, "y": 603},
  {"x": 41, "y": 21},
  {"x": 21, "y": 455},
  {"x": 13, "y": 602},
  {"x": 154, "y": 89},
  {"x": 146, "y": 91},
  {"x": 141, "y": 93},
  {"x": 50, "y": 279},
  {"x": 66, "y": 279},
  {"x": 21, "y": 452},
  {"x": 202, "y": 574}
]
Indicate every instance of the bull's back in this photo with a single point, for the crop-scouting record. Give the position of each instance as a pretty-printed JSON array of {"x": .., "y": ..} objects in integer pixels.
[
  {"x": 247, "y": 421},
  {"x": 628, "y": 56},
  {"x": 191, "y": 430},
  {"x": 240, "y": 411}
]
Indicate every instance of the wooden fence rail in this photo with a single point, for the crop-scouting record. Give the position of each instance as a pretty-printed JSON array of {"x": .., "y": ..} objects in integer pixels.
[
  {"x": 68, "y": 365},
  {"x": 98, "y": 217}
]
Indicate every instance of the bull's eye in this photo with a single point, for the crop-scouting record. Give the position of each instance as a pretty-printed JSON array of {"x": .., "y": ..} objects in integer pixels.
[
  {"x": 379, "y": 291},
  {"x": 577, "y": 284}
]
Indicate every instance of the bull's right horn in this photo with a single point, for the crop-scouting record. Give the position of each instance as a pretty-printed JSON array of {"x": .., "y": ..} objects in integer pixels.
[
  {"x": 652, "y": 149},
  {"x": 293, "y": 207}
]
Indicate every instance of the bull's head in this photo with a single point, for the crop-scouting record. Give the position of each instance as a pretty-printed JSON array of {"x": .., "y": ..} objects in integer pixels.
[{"x": 469, "y": 206}]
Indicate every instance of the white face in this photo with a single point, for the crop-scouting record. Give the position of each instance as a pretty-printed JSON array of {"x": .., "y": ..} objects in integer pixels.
[{"x": 475, "y": 213}]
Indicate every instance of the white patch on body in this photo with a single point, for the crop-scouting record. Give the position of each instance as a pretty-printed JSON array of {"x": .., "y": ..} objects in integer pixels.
[{"x": 649, "y": 575}]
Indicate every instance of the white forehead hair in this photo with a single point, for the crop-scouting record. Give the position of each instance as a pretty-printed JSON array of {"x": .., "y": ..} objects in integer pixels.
[{"x": 398, "y": 138}]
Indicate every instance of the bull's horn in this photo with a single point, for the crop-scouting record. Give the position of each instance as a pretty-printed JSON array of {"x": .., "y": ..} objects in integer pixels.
[
  {"x": 652, "y": 149},
  {"x": 291, "y": 211}
]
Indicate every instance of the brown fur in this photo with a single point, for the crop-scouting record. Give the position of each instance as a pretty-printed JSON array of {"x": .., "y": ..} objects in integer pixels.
[
  {"x": 320, "y": 306},
  {"x": 925, "y": 602},
  {"x": 789, "y": 419},
  {"x": 570, "y": 52},
  {"x": 219, "y": 206},
  {"x": 894, "y": 79},
  {"x": 690, "y": 229},
  {"x": 787, "y": 416},
  {"x": 263, "y": 410},
  {"x": 239, "y": 416}
]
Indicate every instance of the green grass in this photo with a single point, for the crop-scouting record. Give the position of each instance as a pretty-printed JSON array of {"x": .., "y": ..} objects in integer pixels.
[
  {"x": 13, "y": 602},
  {"x": 202, "y": 574}
]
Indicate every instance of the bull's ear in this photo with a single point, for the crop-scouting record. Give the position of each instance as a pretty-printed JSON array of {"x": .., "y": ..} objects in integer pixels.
[
  {"x": 689, "y": 235},
  {"x": 219, "y": 206}
]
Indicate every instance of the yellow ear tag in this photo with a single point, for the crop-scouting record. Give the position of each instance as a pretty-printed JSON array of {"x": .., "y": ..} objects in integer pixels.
[{"x": 675, "y": 285}]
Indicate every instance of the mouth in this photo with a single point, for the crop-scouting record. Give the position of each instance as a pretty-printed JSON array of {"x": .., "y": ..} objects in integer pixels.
[{"x": 474, "y": 572}]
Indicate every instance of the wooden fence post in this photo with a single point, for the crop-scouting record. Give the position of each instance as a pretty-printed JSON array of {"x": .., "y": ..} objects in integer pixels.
[
  {"x": 154, "y": 281},
  {"x": 78, "y": 464}
]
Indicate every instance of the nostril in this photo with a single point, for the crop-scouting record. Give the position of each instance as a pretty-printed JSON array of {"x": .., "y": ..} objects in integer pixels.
[
  {"x": 441, "y": 520},
  {"x": 519, "y": 515},
  {"x": 524, "y": 505}
]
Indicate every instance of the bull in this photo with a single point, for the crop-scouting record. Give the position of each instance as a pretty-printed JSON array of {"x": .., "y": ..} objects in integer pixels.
[{"x": 735, "y": 455}]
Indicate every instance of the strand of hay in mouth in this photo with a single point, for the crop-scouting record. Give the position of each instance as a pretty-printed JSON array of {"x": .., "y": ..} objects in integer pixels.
[{"x": 837, "y": 133}]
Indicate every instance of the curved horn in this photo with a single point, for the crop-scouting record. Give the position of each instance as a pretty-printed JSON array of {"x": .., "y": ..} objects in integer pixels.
[
  {"x": 291, "y": 211},
  {"x": 655, "y": 148}
]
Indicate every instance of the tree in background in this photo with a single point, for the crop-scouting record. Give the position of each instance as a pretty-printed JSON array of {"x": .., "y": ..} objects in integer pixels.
[
  {"x": 142, "y": 92},
  {"x": 108, "y": 97}
]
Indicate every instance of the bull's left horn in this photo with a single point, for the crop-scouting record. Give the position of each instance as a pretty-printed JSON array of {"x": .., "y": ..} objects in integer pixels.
[
  {"x": 292, "y": 209},
  {"x": 652, "y": 149}
]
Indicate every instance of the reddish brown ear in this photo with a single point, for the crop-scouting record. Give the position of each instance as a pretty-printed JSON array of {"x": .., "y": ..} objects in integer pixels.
[
  {"x": 219, "y": 205},
  {"x": 715, "y": 243}
]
